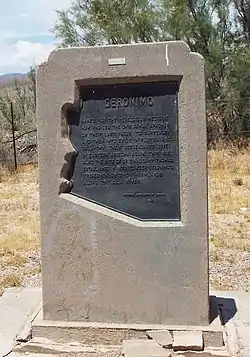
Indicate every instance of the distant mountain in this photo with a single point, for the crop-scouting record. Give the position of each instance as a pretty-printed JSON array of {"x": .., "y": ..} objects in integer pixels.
[{"x": 7, "y": 80}]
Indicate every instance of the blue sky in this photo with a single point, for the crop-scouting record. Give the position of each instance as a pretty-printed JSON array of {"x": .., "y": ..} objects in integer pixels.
[{"x": 25, "y": 37}]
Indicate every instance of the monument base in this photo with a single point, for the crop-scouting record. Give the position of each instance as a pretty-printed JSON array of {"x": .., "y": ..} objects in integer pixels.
[
  {"x": 97, "y": 339},
  {"x": 115, "y": 334},
  {"x": 107, "y": 339},
  {"x": 218, "y": 339}
]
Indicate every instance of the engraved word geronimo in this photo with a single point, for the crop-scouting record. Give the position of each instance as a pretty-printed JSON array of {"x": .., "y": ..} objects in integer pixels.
[{"x": 129, "y": 102}]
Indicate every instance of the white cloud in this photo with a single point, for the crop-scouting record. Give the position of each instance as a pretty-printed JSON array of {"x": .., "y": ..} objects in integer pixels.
[
  {"x": 28, "y": 52},
  {"x": 21, "y": 55},
  {"x": 25, "y": 36}
]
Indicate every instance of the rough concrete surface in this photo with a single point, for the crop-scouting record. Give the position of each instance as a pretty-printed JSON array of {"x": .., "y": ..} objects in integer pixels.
[
  {"x": 113, "y": 353},
  {"x": 16, "y": 305},
  {"x": 188, "y": 340},
  {"x": 162, "y": 337},
  {"x": 143, "y": 348},
  {"x": 115, "y": 333},
  {"x": 100, "y": 265},
  {"x": 236, "y": 312},
  {"x": 45, "y": 345},
  {"x": 211, "y": 352}
]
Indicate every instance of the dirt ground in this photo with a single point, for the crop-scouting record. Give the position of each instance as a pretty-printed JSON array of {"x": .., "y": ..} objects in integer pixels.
[{"x": 229, "y": 222}]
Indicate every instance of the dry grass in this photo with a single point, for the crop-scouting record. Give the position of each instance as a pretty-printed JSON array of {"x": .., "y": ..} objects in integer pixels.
[
  {"x": 229, "y": 180},
  {"x": 229, "y": 203},
  {"x": 19, "y": 221},
  {"x": 11, "y": 280},
  {"x": 16, "y": 259}
]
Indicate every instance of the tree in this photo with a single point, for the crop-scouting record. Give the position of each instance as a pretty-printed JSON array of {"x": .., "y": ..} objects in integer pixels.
[
  {"x": 95, "y": 22},
  {"x": 21, "y": 96},
  {"x": 218, "y": 29},
  {"x": 23, "y": 99},
  {"x": 32, "y": 86},
  {"x": 242, "y": 18}
]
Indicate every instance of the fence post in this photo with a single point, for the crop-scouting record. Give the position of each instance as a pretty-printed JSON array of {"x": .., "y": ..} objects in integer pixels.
[{"x": 13, "y": 134}]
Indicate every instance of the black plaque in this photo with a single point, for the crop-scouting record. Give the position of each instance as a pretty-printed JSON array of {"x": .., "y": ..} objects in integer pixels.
[{"x": 126, "y": 136}]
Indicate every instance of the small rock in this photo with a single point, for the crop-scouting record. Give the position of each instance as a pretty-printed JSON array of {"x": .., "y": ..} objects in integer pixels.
[
  {"x": 244, "y": 210},
  {"x": 25, "y": 334},
  {"x": 206, "y": 353},
  {"x": 238, "y": 181},
  {"x": 75, "y": 344},
  {"x": 162, "y": 337},
  {"x": 143, "y": 348},
  {"x": 188, "y": 340}
]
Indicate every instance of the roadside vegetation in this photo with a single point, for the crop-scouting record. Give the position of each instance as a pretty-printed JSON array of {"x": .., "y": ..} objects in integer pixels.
[
  {"x": 19, "y": 222},
  {"x": 229, "y": 218}
]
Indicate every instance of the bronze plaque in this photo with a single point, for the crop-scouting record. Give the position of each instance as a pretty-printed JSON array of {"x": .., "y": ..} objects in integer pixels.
[{"x": 126, "y": 136}]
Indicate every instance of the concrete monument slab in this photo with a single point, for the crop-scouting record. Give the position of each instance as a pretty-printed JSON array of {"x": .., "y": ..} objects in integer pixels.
[{"x": 123, "y": 184}]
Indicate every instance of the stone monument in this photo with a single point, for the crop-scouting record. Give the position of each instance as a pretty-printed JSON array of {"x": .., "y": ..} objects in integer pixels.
[{"x": 123, "y": 185}]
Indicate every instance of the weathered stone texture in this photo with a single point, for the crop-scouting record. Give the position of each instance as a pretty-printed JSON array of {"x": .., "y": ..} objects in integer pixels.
[
  {"x": 162, "y": 337},
  {"x": 187, "y": 340},
  {"x": 99, "y": 265}
]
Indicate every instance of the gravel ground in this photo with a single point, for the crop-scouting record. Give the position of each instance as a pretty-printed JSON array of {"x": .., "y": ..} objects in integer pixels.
[
  {"x": 31, "y": 281},
  {"x": 230, "y": 251}
]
